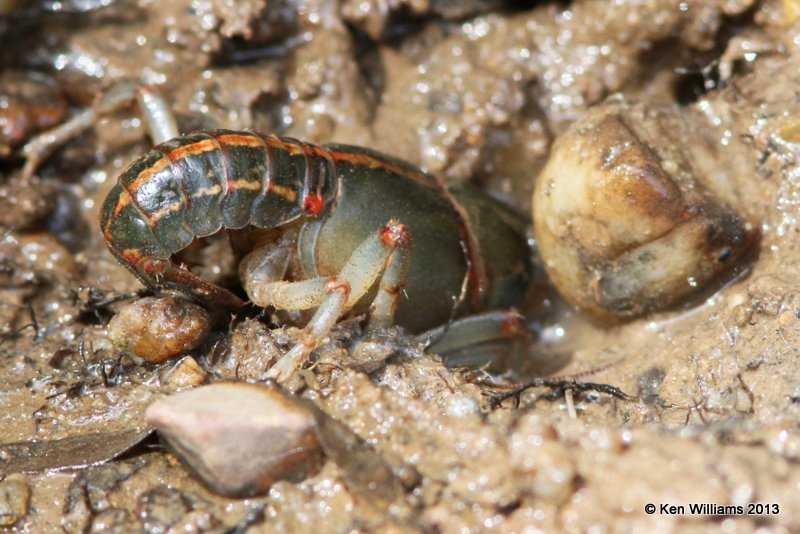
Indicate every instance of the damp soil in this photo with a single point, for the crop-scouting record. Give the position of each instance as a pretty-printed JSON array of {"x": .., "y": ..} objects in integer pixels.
[{"x": 473, "y": 91}]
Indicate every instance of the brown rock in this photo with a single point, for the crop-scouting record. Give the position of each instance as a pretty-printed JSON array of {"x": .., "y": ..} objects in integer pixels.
[
  {"x": 239, "y": 438},
  {"x": 157, "y": 329}
]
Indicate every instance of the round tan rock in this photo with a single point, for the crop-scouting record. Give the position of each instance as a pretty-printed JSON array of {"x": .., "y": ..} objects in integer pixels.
[{"x": 158, "y": 329}]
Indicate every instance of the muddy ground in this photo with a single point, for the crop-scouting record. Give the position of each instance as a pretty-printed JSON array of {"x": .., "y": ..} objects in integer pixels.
[{"x": 469, "y": 90}]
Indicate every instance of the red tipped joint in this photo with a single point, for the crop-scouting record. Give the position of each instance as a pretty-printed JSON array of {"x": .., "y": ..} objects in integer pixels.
[
  {"x": 392, "y": 291},
  {"x": 395, "y": 233},
  {"x": 313, "y": 204},
  {"x": 512, "y": 322},
  {"x": 152, "y": 266},
  {"x": 333, "y": 284},
  {"x": 148, "y": 90}
]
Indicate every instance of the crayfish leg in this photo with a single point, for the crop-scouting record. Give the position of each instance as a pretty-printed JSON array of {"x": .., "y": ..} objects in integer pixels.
[
  {"x": 268, "y": 259},
  {"x": 164, "y": 274},
  {"x": 154, "y": 108},
  {"x": 394, "y": 278},
  {"x": 478, "y": 340},
  {"x": 385, "y": 255}
]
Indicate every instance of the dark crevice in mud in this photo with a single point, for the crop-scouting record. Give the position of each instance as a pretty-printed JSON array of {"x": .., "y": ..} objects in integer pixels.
[
  {"x": 700, "y": 74},
  {"x": 268, "y": 113},
  {"x": 402, "y": 25},
  {"x": 694, "y": 83},
  {"x": 238, "y": 51},
  {"x": 694, "y": 72},
  {"x": 67, "y": 223},
  {"x": 370, "y": 66},
  {"x": 273, "y": 35},
  {"x": 36, "y": 32}
]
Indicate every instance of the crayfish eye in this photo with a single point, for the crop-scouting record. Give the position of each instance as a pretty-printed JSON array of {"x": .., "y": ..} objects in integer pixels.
[{"x": 724, "y": 255}]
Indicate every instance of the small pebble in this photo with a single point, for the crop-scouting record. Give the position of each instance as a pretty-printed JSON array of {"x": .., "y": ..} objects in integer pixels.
[
  {"x": 462, "y": 406},
  {"x": 553, "y": 479},
  {"x": 158, "y": 329},
  {"x": 783, "y": 440},
  {"x": 186, "y": 373},
  {"x": 15, "y": 496},
  {"x": 239, "y": 438}
]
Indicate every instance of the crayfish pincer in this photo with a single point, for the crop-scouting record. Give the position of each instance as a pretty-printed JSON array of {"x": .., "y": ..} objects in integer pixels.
[
  {"x": 363, "y": 228},
  {"x": 639, "y": 207}
]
